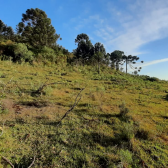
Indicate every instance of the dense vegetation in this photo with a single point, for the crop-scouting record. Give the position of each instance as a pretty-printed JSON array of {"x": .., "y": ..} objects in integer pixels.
[
  {"x": 62, "y": 109},
  {"x": 35, "y": 41}
]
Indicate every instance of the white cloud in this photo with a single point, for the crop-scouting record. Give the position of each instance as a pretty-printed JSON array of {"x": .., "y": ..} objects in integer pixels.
[
  {"x": 145, "y": 64},
  {"x": 86, "y": 21},
  {"x": 154, "y": 62},
  {"x": 126, "y": 28},
  {"x": 139, "y": 24}
]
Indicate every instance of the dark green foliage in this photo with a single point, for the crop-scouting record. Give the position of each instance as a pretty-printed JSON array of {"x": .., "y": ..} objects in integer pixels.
[
  {"x": 106, "y": 59},
  {"x": 1, "y": 26},
  {"x": 116, "y": 58},
  {"x": 6, "y": 31},
  {"x": 99, "y": 54},
  {"x": 21, "y": 53},
  {"x": 131, "y": 60},
  {"x": 126, "y": 157},
  {"x": 47, "y": 53},
  {"x": 35, "y": 38},
  {"x": 85, "y": 48},
  {"x": 7, "y": 50},
  {"x": 99, "y": 48},
  {"x": 18, "y": 52},
  {"x": 148, "y": 78},
  {"x": 24, "y": 162},
  {"x": 153, "y": 79},
  {"x": 36, "y": 29},
  {"x": 59, "y": 49}
]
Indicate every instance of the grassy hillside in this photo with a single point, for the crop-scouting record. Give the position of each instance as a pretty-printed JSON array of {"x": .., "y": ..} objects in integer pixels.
[{"x": 120, "y": 120}]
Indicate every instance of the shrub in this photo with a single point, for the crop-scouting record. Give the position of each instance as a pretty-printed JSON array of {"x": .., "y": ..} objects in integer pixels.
[
  {"x": 6, "y": 49},
  {"x": 22, "y": 53},
  {"x": 123, "y": 112},
  {"x": 127, "y": 131},
  {"x": 18, "y": 52},
  {"x": 47, "y": 53},
  {"x": 148, "y": 78},
  {"x": 153, "y": 79},
  {"x": 126, "y": 157}
]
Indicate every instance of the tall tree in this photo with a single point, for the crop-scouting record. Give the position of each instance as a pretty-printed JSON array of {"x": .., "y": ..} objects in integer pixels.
[
  {"x": 9, "y": 33},
  {"x": 99, "y": 54},
  {"x": 6, "y": 31},
  {"x": 129, "y": 60},
  {"x": 36, "y": 28},
  {"x": 106, "y": 60},
  {"x": 85, "y": 48},
  {"x": 116, "y": 58},
  {"x": 2, "y": 25}
]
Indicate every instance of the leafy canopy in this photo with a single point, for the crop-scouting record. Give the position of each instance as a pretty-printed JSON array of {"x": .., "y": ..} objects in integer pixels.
[
  {"x": 116, "y": 58},
  {"x": 36, "y": 29},
  {"x": 6, "y": 31},
  {"x": 85, "y": 49},
  {"x": 99, "y": 52}
]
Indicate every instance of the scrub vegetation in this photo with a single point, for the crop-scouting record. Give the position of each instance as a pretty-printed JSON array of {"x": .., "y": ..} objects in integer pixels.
[
  {"x": 63, "y": 109},
  {"x": 120, "y": 119}
]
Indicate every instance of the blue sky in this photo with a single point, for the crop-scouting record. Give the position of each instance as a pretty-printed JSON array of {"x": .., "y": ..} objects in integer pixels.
[{"x": 137, "y": 27}]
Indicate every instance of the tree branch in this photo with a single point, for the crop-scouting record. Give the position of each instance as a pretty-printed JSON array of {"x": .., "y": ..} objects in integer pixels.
[
  {"x": 39, "y": 90},
  {"x": 4, "y": 158},
  {"x": 32, "y": 162},
  {"x": 76, "y": 102},
  {"x": 8, "y": 161}
]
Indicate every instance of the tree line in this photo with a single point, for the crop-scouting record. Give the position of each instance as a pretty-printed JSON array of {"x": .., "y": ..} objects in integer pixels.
[{"x": 35, "y": 39}]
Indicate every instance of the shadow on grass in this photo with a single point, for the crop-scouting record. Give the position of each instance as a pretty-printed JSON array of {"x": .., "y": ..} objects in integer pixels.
[
  {"x": 80, "y": 111},
  {"x": 25, "y": 162},
  {"x": 108, "y": 115},
  {"x": 37, "y": 104},
  {"x": 31, "y": 92},
  {"x": 107, "y": 141},
  {"x": 76, "y": 88},
  {"x": 83, "y": 105},
  {"x": 102, "y": 139},
  {"x": 164, "y": 117}
]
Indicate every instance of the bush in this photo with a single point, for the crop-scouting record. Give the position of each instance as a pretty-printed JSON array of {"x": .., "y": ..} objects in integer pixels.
[
  {"x": 6, "y": 49},
  {"x": 153, "y": 79},
  {"x": 123, "y": 112},
  {"x": 127, "y": 131},
  {"x": 148, "y": 78},
  {"x": 126, "y": 157},
  {"x": 22, "y": 53},
  {"x": 47, "y": 53}
]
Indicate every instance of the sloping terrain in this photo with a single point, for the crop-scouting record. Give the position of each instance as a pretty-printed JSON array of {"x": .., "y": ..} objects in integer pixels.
[{"x": 120, "y": 120}]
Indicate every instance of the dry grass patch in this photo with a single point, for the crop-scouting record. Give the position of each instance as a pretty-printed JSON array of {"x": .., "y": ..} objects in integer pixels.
[{"x": 97, "y": 133}]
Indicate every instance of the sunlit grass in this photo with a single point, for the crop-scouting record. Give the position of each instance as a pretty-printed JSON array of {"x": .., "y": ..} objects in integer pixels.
[{"x": 120, "y": 120}]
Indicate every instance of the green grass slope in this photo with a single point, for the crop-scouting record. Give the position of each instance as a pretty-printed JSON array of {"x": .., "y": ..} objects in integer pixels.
[{"x": 120, "y": 120}]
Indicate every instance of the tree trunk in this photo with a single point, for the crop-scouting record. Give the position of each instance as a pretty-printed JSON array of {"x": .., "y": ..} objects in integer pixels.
[
  {"x": 98, "y": 67},
  {"x": 126, "y": 65}
]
